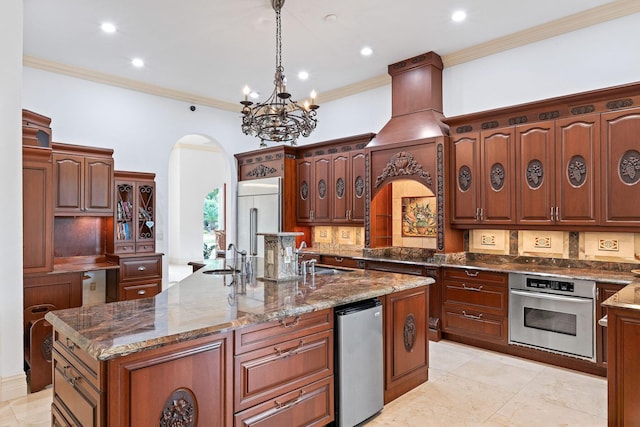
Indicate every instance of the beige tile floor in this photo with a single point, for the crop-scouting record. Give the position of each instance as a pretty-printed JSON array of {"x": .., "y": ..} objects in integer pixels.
[{"x": 467, "y": 387}]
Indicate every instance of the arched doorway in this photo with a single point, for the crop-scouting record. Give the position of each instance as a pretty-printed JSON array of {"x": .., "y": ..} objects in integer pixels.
[{"x": 199, "y": 173}]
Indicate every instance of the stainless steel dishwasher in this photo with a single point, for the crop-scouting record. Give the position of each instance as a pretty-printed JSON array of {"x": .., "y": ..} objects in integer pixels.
[{"x": 359, "y": 362}]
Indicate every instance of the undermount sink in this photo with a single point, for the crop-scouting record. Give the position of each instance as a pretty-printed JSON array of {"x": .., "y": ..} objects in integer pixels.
[
  {"x": 329, "y": 270},
  {"x": 221, "y": 271}
]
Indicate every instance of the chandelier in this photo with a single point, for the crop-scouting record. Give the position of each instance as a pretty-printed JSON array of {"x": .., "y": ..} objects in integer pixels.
[{"x": 278, "y": 118}]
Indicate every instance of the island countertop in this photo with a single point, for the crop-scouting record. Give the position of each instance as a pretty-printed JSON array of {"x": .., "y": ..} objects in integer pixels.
[{"x": 204, "y": 303}]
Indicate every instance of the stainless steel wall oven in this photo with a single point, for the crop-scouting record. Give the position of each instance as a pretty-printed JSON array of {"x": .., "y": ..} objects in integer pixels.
[{"x": 551, "y": 313}]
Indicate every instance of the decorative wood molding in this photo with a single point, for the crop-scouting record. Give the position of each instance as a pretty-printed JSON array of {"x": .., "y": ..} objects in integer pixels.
[
  {"x": 535, "y": 173},
  {"x": 180, "y": 410},
  {"x": 401, "y": 164},
  {"x": 630, "y": 167},
  {"x": 261, "y": 171},
  {"x": 409, "y": 332},
  {"x": 577, "y": 170},
  {"x": 440, "y": 196}
]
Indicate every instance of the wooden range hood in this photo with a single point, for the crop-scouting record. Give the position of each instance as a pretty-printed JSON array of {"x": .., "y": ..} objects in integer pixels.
[{"x": 416, "y": 101}]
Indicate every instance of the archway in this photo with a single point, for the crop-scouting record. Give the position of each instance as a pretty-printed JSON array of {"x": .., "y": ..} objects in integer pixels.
[{"x": 198, "y": 166}]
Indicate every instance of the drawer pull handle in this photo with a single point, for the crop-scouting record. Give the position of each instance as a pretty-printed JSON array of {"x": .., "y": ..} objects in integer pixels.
[
  {"x": 70, "y": 345},
  {"x": 472, "y": 288},
  {"x": 142, "y": 292},
  {"x": 289, "y": 403},
  {"x": 142, "y": 268},
  {"x": 339, "y": 259},
  {"x": 284, "y": 324},
  {"x": 71, "y": 380},
  {"x": 474, "y": 274},
  {"x": 471, "y": 316},
  {"x": 291, "y": 352}
]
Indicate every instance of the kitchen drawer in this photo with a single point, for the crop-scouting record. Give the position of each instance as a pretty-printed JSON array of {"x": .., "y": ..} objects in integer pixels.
[
  {"x": 141, "y": 290},
  {"x": 394, "y": 267},
  {"x": 263, "y": 374},
  {"x": 307, "y": 256},
  {"x": 479, "y": 296},
  {"x": 272, "y": 333},
  {"x": 475, "y": 324},
  {"x": 470, "y": 275},
  {"x": 339, "y": 261},
  {"x": 59, "y": 416},
  {"x": 125, "y": 248},
  {"x": 81, "y": 400},
  {"x": 311, "y": 405},
  {"x": 148, "y": 247},
  {"x": 89, "y": 368},
  {"x": 140, "y": 267}
]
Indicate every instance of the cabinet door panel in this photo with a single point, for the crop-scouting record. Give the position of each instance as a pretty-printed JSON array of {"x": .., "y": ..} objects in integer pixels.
[
  {"x": 321, "y": 191},
  {"x": 68, "y": 173},
  {"x": 578, "y": 170},
  {"x": 98, "y": 184},
  {"x": 304, "y": 203},
  {"x": 535, "y": 173},
  {"x": 621, "y": 160},
  {"x": 341, "y": 188},
  {"x": 496, "y": 163},
  {"x": 37, "y": 215},
  {"x": 357, "y": 186},
  {"x": 465, "y": 197}
]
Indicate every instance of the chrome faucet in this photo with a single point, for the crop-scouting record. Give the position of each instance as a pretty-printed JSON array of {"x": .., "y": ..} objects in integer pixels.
[
  {"x": 243, "y": 255},
  {"x": 303, "y": 245}
]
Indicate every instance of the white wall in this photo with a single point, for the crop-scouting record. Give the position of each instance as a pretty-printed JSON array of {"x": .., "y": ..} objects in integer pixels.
[
  {"x": 595, "y": 57},
  {"x": 11, "y": 178},
  {"x": 142, "y": 129}
]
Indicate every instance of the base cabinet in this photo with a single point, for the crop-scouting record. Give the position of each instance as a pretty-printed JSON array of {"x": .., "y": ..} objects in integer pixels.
[
  {"x": 139, "y": 276},
  {"x": 188, "y": 383},
  {"x": 406, "y": 317},
  {"x": 622, "y": 370},
  {"x": 475, "y": 304}
]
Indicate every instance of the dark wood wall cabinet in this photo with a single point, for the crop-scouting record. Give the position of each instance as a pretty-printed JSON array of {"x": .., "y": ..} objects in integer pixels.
[
  {"x": 331, "y": 181},
  {"x": 562, "y": 163},
  {"x": 83, "y": 180}
]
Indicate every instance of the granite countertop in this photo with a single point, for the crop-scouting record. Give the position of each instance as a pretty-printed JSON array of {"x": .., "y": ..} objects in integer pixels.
[{"x": 203, "y": 304}]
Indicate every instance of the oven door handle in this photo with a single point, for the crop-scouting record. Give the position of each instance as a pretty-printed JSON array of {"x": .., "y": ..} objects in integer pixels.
[{"x": 561, "y": 298}]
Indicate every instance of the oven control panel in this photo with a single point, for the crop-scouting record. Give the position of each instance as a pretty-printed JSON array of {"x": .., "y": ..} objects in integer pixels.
[{"x": 555, "y": 285}]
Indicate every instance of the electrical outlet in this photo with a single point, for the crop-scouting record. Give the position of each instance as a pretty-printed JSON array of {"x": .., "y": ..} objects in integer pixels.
[{"x": 92, "y": 286}]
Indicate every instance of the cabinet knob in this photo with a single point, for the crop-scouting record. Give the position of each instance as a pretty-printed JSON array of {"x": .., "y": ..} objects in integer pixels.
[
  {"x": 142, "y": 268},
  {"x": 142, "y": 292}
]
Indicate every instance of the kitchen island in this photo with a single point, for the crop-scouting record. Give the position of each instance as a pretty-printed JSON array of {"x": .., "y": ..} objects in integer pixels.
[{"x": 216, "y": 349}]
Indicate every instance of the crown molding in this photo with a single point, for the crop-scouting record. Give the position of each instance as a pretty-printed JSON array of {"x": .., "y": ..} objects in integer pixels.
[
  {"x": 355, "y": 88},
  {"x": 577, "y": 21},
  {"x": 98, "y": 77}
]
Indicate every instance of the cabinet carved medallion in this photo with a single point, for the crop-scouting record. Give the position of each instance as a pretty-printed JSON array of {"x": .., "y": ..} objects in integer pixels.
[
  {"x": 340, "y": 188},
  {"x": 621, "y": 103},
  {"x": 180, "y": 410},
  {"x": 46, "y": 347},
  {"x": 577, "y": 171},
  {"x": 497, "y": 176},
  {"x": 585, "y": 109},
  {"x": 409, "y": 335},
  {"x": 304, "y": 190},
  {"x": 403, "y": 163},
  {"x": 464, "y": 178},
  {"x": 322, "y": 188},
  {"x": 359, "y": 185},
  {"x": 630, "y": 167},
  {"x": 535, "y": 173}
]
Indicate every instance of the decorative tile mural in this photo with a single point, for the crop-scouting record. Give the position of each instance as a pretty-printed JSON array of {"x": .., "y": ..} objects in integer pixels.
[
  {"x": 619, "y": 247},
  {"x": 489, "y": 242},
  {"x": 548, "y": 244}
]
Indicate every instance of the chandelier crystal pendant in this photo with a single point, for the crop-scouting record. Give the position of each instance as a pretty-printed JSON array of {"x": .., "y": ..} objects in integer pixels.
[{"x": 279, "y": 118}]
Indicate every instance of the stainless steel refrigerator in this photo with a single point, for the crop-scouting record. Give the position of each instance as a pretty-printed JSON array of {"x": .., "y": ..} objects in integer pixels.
[{"x": 259, "y": 211}]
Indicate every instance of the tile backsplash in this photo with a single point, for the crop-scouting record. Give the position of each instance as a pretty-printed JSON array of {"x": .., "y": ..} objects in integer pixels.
[
  {"x": 586, "y": 246},
  {"x": 338, "y": 238}
]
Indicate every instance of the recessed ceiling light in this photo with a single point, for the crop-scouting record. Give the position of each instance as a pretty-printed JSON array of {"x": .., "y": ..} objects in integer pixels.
[
  {"x": 137, "y": 62},
  {"x": 108, "y": 27},
  {"x": 458, "y": 16},
  {"x": 303, "y": 75},
  {"x": 366, "y": 51}
]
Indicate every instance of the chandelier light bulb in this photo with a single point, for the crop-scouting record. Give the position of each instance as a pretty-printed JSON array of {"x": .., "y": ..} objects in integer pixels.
[
  {"x": 313, "y": 96},
  {"x": 246, "y": 91}
]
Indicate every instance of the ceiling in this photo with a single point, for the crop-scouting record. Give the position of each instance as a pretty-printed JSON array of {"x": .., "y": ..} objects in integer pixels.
[{"x": 206, "y": 51}]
